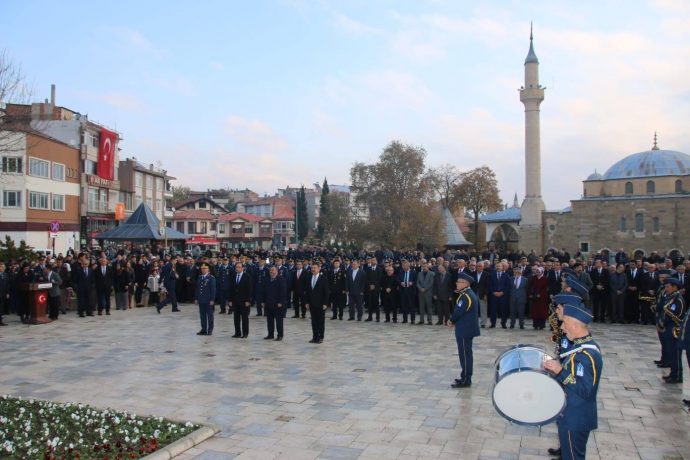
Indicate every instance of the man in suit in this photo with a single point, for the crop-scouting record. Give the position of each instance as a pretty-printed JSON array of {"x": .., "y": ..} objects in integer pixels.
[
  {"x": 204, "y": 296},
  {"x": 648, "y": 286},
  {"x": 169, "y": 280},
  {"x": 681, "y": 274},
  {"x": 374, "y": 272},
  {"x": 316, "y": 299},
  {"x": 407, "y": 278},
  {"x": 103, "y": 277},
  {"x": 356, "y": 285},
  {"x": 425, "y": 292},
  {"x": 465, "y": 320},
  {"x": 298, "y": 278},
  {"x": 274, "y": 303},
  {"x": 600, "y": 292},
  {"x": 241, "y": 300},
  {"x": 517, "y": 297},
  {"x": 338, "y": 286},
  {"x": 84, "y": 282},
  {"x": 443, "y": 293},
  {"x": 499, "y": 288},
  {"x": 481, "y": 284},
  {"x": 554, "y": 276},
  {"x": 53, "y": 277},
  {"x": 632, "y": 293}
]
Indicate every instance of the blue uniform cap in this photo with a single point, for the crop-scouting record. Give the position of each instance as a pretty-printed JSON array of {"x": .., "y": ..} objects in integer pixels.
[
  {"x": 565, "y": 298},
  {"x": 568, "y": 271},
  {"x": 465, "y": 277},
  {"x": 666, "y": 271},
  {"x": 576, "y": 286},
  {"x": 673, "y": 281},
  {"x": 578, "y": 311}
]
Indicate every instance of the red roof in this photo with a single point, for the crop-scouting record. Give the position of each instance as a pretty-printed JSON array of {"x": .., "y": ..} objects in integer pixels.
[
  {"x": 193, "y": 214},
  {"x": 242, "y": 216}
]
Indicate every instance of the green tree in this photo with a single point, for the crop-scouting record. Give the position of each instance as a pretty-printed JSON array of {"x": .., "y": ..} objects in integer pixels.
[
  {"x": 324, "y": 210},
  {"x": 180, "y": 193},
  {"x": 477, "y": 191},
  {"x": 9, "y": 250},
  {"x": 398, "y": 195},
  {"x": 302, "y": 217}
]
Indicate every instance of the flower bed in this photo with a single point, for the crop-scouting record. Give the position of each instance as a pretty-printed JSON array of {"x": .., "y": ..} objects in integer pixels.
[{"x": 32, "y": 429}]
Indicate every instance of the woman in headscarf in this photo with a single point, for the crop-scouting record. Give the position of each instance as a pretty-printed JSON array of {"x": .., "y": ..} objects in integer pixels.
[{"x": 538, "y": 295}]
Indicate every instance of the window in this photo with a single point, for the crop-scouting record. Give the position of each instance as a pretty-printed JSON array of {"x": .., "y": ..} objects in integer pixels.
[
  {"x": 237, "y": 228},
  {"x": 159, "y": 205},
  {"x": 11, "y": 165},
  {"x": 138, "y": 179},
  {"x": 624, "y": 224},
  {"x": 138, "y": 200},
  {"x": 650, "y": 186},
  {"x": 149, "y": 182},
  {"x": 39, "y": 168},
  {"x": 149, "y": 202},
  {"x": 92, "y": 201},
  {"x": 58, "y": 171},
  {"x": 656, "y": 225},
  {"x": 202, "y": 204},
  {"x": 204, "y": 227},
  {"x": 265, "y": 228},
  {"x": 11, "y": 199},
  {"x": 94, "y": 139},
  {"x": 214, "y": 226},
  {"x": 221, "y": 228},
  {"x": 639, "y": 222},
  {"x": 126, "y": 198},
  {"x": 58, "y": 202},
  {"x": 584, "y": 246},
  {"x": 628, "y": 188},
  {"x": 179, "y": 226},
  {"x": 90, "y": 167},
  {"x": 191, "y": 227},
  {"x": 38, "y": 200},
  {"x": 248, "y": 228},
  {"x": 679, "y": 185},
  {"x": 159, "y": 184}
]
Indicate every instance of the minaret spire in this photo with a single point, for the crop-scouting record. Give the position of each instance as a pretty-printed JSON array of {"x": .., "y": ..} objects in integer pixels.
[{"x": 655, "y": 147}]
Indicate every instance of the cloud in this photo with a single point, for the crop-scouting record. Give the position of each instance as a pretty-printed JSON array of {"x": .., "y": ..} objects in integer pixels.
[
  {"x": 132, "y": 38},
  {"x": 353, "y": 27},
  {"x": 124, "y": 101},
  {"x": 254, "y": 137}
]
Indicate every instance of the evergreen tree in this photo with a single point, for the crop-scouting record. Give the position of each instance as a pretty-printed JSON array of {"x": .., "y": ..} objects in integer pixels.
[
  {"x": 302, "y": 217},
  {"x": 324, "y": 211},
  {"x": 9, "y": 250}
]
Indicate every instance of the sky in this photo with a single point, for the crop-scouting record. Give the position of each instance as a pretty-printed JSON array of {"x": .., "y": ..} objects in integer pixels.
[{"x": 265, "y": 94}]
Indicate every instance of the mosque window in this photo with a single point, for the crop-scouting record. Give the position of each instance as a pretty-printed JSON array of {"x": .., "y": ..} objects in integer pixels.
[
  {"x": 656, "y": 223},
  {"x": 628, "y": 188},
  {"x": 650, "y": 186},
  {"x": 639, "y": 222},
  {"x": 624, "y": 224},
  {"x": 679, "y": 186}
]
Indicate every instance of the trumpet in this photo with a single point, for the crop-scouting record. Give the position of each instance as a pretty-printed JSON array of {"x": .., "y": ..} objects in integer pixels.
[
  {"x": 650, "y": 299},
  {"x": 677, "y": 321}
]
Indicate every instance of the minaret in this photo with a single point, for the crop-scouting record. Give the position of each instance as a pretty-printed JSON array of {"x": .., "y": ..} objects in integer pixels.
[{"x": 531, "y": 95}]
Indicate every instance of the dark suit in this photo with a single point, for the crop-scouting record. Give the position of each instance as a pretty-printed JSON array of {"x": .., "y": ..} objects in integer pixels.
[
  {"x": 275, "y": 293},
  {"x": 648, "y": 286},
  {"x": 601, "y": 305},
  {"x": 338, "y": 286},
  {"x": 104, "y": 285},
  {"x": 389, "y": 296},
  {"x": 204, "y": 294},
  {"x": 222, "y": 278},
  {"x": 554, "y": 277},
  {"x": 373, "y": 275},
  {"x": 83, "y": 283},
  {"x": 498, "y": 305},
  {"x": 241, "y": 301},
  {"x": 297, "y": 287},
  {"x": 407, "y": 281},
  {"x": 518, "y": 300},
  {"x": 169, "y": 281},
  {"x": 317, "y": 297},
  {"x": 355, "y": 287},
  {"x": 443, "y": 294},
  {"x": 632, "y": 295}
]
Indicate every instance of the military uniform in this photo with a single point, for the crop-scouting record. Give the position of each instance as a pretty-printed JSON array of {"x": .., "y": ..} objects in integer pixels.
[
  {"x": 205, "y": 295},
  {"x": 222, "y": 284},
  {"x": 465, "y": 317},
  {"x": 673, "y": 307},
  {"x": 337, "y": 281}
]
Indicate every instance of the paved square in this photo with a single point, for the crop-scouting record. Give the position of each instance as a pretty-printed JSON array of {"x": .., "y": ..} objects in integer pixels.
[{"x": 370, "y": 391}]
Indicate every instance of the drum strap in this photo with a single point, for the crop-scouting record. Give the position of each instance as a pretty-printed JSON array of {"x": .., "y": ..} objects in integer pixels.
[{"x": 580, "y": 348}]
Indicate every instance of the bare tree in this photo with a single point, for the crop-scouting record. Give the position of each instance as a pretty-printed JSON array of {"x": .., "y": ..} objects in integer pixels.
[
  {"x": 445, "y": 179},
  {"x": 12, "y": 90},
  {"x": 478, "y": 193}
]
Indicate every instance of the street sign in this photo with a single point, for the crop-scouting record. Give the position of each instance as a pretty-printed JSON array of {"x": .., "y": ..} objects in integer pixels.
[
  {"x": 53, "y": 235},
  {"x": 55, "y": 226}
]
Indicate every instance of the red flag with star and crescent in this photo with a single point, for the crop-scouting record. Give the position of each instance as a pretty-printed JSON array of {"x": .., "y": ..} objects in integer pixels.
[{"x": 106, "y": 155}]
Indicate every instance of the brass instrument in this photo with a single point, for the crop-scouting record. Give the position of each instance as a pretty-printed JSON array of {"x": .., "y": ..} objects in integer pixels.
[
  {"x": 556, "y": 331},
  {"x": 675, "y": 318},
  {"x": 650, "y": 299}
]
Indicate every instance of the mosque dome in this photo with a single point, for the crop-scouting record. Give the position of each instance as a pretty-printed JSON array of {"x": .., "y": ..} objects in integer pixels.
[
  {"x": 650, "y": 163},
  {"x": 595, "y": 176}
]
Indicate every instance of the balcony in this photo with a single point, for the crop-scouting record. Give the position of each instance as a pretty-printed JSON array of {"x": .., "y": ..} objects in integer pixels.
[
  {"x": 167, "y": 193},
  {"x": 98, "y": 206},
  {"x": 168, "y": 213}
]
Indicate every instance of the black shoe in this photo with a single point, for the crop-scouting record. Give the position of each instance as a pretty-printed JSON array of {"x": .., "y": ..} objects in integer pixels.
[
  {"x": 663, "y": 365},
  {"x": 89, "y": 314},
  {"x": 3, "y": 324},
  {"x": 438, "y": 323},
  {"x": 395, "y": 321},
  {"x": 459, "y": 380},
  {"x": 268, "y": 337},
  {"x": 387, "y": 321},
  {"x": 554, "y": 452},
  {"x": 674, "y": 380},
  {"x": 245, "y": 336},
  {"x": 107, "y": 313},
  {"x": 82, "y": 315},
  {"x": 404, "y": 321},
  {"x": 512, "y": 326},
  {"x": 522, "y": 327},
  {"x": 482, "y": 326},
  {"x": 420, "y": 322},
  {"x": 222, "y": 312},
  {"x": 333, "y": 317},
  {"x": 350, "y": 319},
  {"x": 278, "y": 339},
  {"x": 176, "y": 310},
  {"x": 295, "y": 316},
  {"x": 304, "y": 316},
  {"x": 658, "y": 361},
  {"x": 504, "y": 326},
  {"x": 313, "y": 341},
  {"x": 378, "y": 320},
  {"x": 461, "y": 384},
  {"x": 686, "y": 402},
  {"x": 158, "y": 310},
  {"x": 236, "y": 336},
  {"x": 201, "y": 333},
  {"x": 492, "y": 326},
  {"x": 340, "y": 318},
  {"x": 367, "y": 320},
  {"x": 319, "y": 341}
]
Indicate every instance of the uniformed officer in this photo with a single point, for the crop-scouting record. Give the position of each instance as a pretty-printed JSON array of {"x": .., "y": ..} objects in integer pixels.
[
  {"x": 684, "y": 341},
  {"x": 579, "y": 371},
  {"x": 205, "y": 296},
  {"x": 465, "y": 320},
  {"x": 222, "y": 283},
  {"x": 670, "y": 317},
  {"x": 337, "y": 281}
]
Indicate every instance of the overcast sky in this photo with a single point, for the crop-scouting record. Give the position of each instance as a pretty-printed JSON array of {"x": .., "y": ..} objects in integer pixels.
[{"x": 264, "y": 94}]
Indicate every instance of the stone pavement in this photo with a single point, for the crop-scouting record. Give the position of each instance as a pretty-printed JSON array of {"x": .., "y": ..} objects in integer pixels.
[{"x": 370, "y": 391}]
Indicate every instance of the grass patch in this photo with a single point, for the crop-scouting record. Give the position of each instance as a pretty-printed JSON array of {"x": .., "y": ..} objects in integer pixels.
[{"x": 33, "y": 429}]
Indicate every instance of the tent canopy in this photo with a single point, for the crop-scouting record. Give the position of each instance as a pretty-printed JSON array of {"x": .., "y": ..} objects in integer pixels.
[{"x": 141, "y": 225}]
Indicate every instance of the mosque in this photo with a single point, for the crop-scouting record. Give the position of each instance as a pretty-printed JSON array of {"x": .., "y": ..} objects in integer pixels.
[{"x": 640, "y": 204}]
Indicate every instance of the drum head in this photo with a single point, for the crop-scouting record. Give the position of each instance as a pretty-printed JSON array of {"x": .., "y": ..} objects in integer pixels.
[{"x": 528, "y": 397}]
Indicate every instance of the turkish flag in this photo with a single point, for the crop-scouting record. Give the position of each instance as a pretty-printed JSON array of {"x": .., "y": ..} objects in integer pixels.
[{"x": 106, "y": 155}]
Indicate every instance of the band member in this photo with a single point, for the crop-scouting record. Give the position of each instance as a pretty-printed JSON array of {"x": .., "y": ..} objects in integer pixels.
[
  {"x": 669, "y": 325},
  {"x": 580, "y": 373},
  {"x": 465, "y": 320},
  {"x": 205, "y": 295}
]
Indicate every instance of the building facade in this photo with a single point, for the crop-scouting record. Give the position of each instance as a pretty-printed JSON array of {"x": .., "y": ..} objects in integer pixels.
[{"x": 145, "y": 184}]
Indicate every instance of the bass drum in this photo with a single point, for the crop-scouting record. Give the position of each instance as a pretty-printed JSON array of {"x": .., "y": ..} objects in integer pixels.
[{"x": 525, "y": 393}]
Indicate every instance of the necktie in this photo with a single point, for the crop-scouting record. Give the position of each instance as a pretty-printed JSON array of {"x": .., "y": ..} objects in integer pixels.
[
  {"x": 299, "y": 272},
  {"x": 682, "y": 279},
  {"x": 237, "y": 281},
  {"x": 407, "y": 277},
  {"x": 313, "y": 281},
  {"x": 517, "y": 282},
  {"x": 86, "y": 271}
]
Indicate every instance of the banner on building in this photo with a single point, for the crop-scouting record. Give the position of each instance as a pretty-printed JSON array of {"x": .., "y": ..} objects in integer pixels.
[{"x": 106, "y": 155}]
